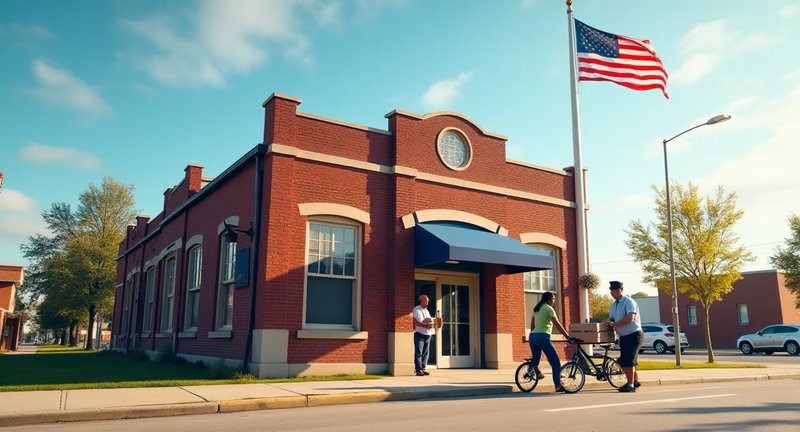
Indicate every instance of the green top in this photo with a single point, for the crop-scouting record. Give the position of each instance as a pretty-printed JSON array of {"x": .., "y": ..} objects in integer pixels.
[{"x": 542, "y": 319}]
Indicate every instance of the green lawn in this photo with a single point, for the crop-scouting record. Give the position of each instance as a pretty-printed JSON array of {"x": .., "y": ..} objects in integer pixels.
[
  {"x": 55, "y": 367},
  {"x": 662, "y": 365}
]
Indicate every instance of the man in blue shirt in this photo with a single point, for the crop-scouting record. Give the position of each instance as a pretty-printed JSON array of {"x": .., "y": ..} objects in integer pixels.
[{"x": 623, "y": 317}]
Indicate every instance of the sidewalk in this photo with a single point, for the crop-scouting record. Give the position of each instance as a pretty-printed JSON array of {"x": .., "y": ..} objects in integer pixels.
[{"x": 21, "y": 408}]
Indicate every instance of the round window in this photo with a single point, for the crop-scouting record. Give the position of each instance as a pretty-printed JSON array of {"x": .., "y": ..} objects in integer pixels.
[{"x": 454, "y": 149}]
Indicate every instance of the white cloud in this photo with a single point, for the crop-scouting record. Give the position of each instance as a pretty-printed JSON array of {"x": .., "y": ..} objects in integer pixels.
[
  {"x": 789, "y": 11},
  {"x": 529, "y": 4},
  {"x": 49, "y": 155},
  {"x": 442, "y": 93},
  {"x": 59, "y": 87},
  {"x": 694, "y": 69},
  {"x": 791, "y": 76},
  {"x": 633, "y": 201},
  {"x": 16, "y": 202},
  {"x": 765, "y": 178},
  {"x": 207, "y": 46},
  {"x": 25, "y": 31}
]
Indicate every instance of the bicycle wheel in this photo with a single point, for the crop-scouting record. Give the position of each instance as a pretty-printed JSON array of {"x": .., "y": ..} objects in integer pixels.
[
  {"x": 526, "y": 377},
  {"x": 615, "y": 374},
  {"x": 572, "y": 377}
]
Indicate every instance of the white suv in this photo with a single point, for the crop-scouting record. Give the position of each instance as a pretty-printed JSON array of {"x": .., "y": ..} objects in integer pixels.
[
  {"x": 779, "y": 337},
  {"x": 661, "y": 338}
]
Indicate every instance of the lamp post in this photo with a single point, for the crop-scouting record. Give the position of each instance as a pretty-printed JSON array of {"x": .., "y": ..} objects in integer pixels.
[{"x": 675, "y": 322}]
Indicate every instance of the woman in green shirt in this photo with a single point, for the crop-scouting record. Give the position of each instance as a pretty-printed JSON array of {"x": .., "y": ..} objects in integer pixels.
[{"x": 544, "y": 316}]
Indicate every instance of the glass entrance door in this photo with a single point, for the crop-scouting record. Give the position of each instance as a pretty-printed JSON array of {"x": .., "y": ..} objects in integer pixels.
[{"x": 454, "y": 298}]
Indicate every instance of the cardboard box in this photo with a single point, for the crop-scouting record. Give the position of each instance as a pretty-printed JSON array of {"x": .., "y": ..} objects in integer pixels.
[
  {"x": 587, "y": 327},
  {"x": 605, "y": 336},
  {"x": 437, "y": 322}
]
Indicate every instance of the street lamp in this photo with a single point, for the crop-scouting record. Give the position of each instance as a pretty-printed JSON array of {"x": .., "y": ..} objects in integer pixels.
[{"x": 675, "y": 323}]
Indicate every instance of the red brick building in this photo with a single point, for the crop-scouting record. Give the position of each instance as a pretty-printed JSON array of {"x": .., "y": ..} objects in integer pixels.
[
  {"x": 11, "y": 277},
  {"x": 757, "y": 300},
  {"x": 306, "y": 256}
]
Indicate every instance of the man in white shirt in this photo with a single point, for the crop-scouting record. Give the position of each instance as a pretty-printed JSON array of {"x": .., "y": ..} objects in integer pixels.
[
  {"x": 623, "y": 317},
  {"x": 423, "y": 330}
]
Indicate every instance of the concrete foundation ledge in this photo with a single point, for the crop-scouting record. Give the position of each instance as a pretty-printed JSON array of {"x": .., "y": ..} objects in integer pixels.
[
  {"x": 263, "y": 403},
  {"x": 117, "y": 413}
]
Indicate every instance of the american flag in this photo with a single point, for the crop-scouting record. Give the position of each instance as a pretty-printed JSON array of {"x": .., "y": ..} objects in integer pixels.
[{"x": 626, "y": 61}]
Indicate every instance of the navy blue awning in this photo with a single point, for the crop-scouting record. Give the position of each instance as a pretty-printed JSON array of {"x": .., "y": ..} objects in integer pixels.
[{"x": 437, "y": 243}]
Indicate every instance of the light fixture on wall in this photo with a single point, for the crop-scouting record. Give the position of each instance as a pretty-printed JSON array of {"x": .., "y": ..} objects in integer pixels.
[
  {"x": 454, "y": 262},
  {"x": 231, "y": 232}
]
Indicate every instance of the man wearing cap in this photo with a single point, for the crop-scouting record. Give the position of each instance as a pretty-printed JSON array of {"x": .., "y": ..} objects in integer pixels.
[{"x": 623, "y": 317}]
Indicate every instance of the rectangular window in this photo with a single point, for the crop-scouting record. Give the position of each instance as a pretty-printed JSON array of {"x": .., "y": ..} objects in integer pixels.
[
  {"x": 227, "y": 276},
  {"x": 168, "y": 294},
  {"x": 195, "y": 261},
  {"x": 741, "y": 311},
  {"x": 147, "y": 321},
  {"x": 126, "y": 305},
  {"x": 537, "y": 283},
  {"x": 331, "y": 280},
  {"x": 691, "y": 311}
]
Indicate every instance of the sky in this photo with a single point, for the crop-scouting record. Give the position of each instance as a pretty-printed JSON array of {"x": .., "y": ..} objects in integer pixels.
[{"x": 138, "y": 90}]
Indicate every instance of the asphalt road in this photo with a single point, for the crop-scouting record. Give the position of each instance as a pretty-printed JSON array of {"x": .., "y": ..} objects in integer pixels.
[{"x": 729, "y": 406}]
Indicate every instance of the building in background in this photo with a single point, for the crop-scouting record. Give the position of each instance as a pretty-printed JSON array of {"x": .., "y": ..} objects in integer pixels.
[
  {"x": 11, "y": 277},
  {"x": 306, "y": 256},
  {"x": 759, "y": 299},
  {"x": 648, "y": 309}
]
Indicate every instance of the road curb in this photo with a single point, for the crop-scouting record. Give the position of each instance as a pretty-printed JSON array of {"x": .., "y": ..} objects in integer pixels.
[
  {"x": 262, "y": 403},
  {"x": 116, "y": 413}
]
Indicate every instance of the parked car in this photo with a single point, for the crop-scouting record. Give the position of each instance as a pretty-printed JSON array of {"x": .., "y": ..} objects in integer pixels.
[
  {"x": 661, "y": 338},
  {"x": 778, "y": 337}
]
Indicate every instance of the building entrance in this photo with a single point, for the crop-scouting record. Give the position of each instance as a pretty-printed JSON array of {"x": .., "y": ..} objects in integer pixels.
[{"x": 453, "y": 298}]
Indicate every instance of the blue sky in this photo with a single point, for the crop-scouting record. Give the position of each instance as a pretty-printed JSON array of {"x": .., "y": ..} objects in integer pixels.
[{"x": 138, "y": 90}]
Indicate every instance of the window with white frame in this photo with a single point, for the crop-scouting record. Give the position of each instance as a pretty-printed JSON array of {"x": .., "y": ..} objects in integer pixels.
[
  {"x": 226, "y": 278},
  {"x": 691, "y": 311},
  {"x": 168, "y": 295},
  {"x": 536, "y": 283},
  {"x": 741, "y": 311},
  {"x": 195, "y": 262},
  {"x": 126, "y": 305},
  {"x": 147, "y": 320},
  {"x": 332, "y": 274}
]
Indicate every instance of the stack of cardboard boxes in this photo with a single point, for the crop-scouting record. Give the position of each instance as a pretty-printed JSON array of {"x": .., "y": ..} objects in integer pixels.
[{"x": 592, "y": 332}]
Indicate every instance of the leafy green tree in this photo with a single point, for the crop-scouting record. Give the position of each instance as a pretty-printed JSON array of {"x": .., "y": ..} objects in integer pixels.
[
  {"x": 640, "y": 294},
  {"x": 708, "y": 258},
  {"x": 75, "y": 267},
  {"x": 600, "y": 306},
  {"x": 788, "y": 259}
]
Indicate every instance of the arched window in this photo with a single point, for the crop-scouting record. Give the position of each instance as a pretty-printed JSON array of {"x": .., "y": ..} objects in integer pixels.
[
  {"x": 227, "y": 269},
  {"x": 167, "y": 295}
]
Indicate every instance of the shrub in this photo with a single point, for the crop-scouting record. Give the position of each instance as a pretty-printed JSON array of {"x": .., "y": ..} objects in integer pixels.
[
  {"x": 138, "y": 355},
  {"x": 199, "y": 364},
  {"x": 219, "y": 369},
  {"x": 165, "y": 354}
]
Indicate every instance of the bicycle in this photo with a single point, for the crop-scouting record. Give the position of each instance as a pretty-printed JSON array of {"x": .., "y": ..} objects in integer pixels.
[
  {"x": 527, "y": 376},
  {"x": 573, "y": 373}
]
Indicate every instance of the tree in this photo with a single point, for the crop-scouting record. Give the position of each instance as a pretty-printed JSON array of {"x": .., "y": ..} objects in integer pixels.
[
  {"x": 75, "y": 268},
  {"x": 707, "y": 256},
  {"x": 788, "y": 259},
  {"x": 600, "y": 306},
  {"x": 640, "y": 294}
]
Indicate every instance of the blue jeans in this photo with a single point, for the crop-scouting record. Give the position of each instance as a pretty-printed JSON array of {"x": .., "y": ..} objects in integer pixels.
[
  {"x": 422, "y": 346},
  {"x": 540, "y": 342}
]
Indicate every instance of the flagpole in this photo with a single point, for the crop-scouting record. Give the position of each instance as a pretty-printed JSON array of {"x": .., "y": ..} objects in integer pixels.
[{"x": 580, "y": 210}]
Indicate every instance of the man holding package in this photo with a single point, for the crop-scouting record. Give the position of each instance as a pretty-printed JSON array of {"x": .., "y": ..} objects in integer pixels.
[
  {"x": 623, "y": 317},
  {"x": 424, "y": 328}
]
